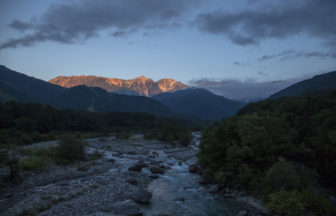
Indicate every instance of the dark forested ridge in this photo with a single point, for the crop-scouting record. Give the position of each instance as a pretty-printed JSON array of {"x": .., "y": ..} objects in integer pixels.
[
  {"x": 322, "y": 82},
  {"x": 20, "y": 87},
  {"x": 281, "y": 150},
  {"x": 97, "y": 99},
  {"x": 199, "y": 102},
  {"x": 25, "y": 123}
]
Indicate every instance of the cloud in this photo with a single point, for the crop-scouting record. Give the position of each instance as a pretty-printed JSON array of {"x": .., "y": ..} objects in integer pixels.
[
  {"x": 316, "y": 18},
  {"x": 292, "y": 54},
  {"x": 19, "y": 25},
  {"x": 237, "y": 63},
  {"x": 248, "y": 90},
  {"x": 70, "y": 23}
]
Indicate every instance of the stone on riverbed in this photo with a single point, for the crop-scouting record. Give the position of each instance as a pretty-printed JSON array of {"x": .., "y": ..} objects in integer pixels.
[
  {"x": 164, "y": 166},
  {"x": 213, "y": 189},
  {"x": 127, "y": 207},
  {"x": 156, "y": 170},
  {"x": 193, "y": 169},
  {"x": 154, "y": 162},
  {"x": 132, "y": 181},
  {"x": 154, "y": 176},
  {"x": 136, "y": 167},
  {"x": 140, "y": 196},
  {"x": 181, "y": 199},
  {"x": 242, "y": 213}
]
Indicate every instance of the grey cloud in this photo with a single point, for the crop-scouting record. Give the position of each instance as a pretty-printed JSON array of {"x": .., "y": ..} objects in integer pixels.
[
  {"x": 19, "y": 25},
  {"x": 248, "y": 90},
  {"x": 272, "y": 56},
  {"x": 315, "y": 18},
  {"x": 292, "y": 54},
  {"x": 262, "y": 73},
  {"x": 237, "y": 63},
  {"x": 69, "y": 23}
]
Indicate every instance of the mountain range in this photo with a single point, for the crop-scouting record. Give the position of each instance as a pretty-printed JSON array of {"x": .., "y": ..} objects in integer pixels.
[
  {"x": 199, "y": 102},
  {"x": 137, "y": 86},
  {"x": 318, "y": 83},
  {"x": 183, "y": 103},
  {"x": 166, "y": 97}
]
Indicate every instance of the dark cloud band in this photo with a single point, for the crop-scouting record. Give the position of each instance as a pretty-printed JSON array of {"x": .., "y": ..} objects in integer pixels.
[
  {"x": 242, "y": 90},
  {"x": 312, "y": 17},
  {"x": 69, "y": 23}
]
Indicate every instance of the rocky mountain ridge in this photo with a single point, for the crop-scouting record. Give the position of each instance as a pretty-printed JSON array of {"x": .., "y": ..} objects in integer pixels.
[{"x": 138, "y": 86}]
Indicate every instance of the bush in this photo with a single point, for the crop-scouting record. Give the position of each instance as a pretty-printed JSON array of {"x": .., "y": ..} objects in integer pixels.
[
  {"x": 70, "y": 149},
  {"x": 286, "y": 203},
  {"x": 33, "y": 163},
  {"x": 184, "y": 137},
  {"x": 297, "y": 203},
  {"x": 282, "y": 176},
  {"x": 123, "y": 135}
]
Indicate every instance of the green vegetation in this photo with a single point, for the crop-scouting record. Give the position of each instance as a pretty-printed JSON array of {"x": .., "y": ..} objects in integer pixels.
[
  {"x": 294, "y": 202},
  {"x": 33, "y": 163},
  {"x": 170, "y": 133},
  {"x": 281, "y": 151},
  {"x": 24, "y": 123},
  {"x": 123, "y": 135},
  {"x": 70, "y": 150}
]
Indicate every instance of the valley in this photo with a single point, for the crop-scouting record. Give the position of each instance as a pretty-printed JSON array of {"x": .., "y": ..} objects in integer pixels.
[
  {"x": 117, "y": 183},
  {"x": 167, "y": 108}
]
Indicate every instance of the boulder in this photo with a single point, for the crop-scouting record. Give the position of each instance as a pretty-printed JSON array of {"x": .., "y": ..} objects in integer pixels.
[
  {"x": 193, "y": 169},
  {"x": 127, "y": 207},
  {"x": 83, "y": 167},
  {"x": 4, "y": 172},
  {"x": 213, "y": 189},
  {"x": 140, "y": 196},
  {"x": 242, "y": 213},
  {"x": 110, "y": 160},
  {"x": 136, "y": 167},
  {"x": 164, "y": 166},
  {"x": 154, "y": 176},
  {"x": 143, "y": 164},
  {"x": 181, "y": 199},
  {"x": 132, "y": 181},
  {"x": 156, "y": 170},
  {"x": 154, "y": 162}
]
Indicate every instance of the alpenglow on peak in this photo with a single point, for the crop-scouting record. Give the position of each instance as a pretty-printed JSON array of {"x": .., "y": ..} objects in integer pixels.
[{"x": 138, "y": 86}]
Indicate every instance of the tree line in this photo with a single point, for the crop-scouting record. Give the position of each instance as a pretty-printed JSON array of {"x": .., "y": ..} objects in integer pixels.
[{"x": 280, "y": 150}]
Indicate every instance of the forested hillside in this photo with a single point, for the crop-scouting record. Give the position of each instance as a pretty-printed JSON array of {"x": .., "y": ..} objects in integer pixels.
[
  {"x": 280, "y": 150},
  {"x": 25, "y": 123}
]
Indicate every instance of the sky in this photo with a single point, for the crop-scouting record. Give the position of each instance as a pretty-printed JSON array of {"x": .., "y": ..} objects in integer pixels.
[{"x": 239, "y": 49}]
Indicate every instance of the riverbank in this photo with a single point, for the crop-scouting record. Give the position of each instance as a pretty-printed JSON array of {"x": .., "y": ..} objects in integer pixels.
[{"x": 132, "y": 177}]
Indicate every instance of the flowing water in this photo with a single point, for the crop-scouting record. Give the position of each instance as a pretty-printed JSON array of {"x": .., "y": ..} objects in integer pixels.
[{"x": 178, "y": 192}]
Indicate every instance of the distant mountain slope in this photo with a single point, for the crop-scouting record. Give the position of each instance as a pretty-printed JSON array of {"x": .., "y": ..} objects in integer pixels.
[
  {"x": 199, "y": 102},
  {"x": 20, "y": 87},
  {"x": 97, "y": 99},
  {"x": 16, "y": 86},
  {"x": 318, "y": 83},
  {"x": 141, "y": 85}
]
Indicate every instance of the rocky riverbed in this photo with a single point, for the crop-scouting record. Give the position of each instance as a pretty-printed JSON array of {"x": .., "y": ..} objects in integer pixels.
[{"x": 133, "y": 177}]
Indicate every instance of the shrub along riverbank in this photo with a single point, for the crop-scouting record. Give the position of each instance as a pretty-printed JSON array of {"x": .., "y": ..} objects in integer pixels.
[{"x": 281, "y": 151}]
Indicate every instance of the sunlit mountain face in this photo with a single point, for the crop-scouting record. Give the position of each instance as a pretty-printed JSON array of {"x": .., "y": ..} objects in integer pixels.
[{"x": 140, "y": 85}]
